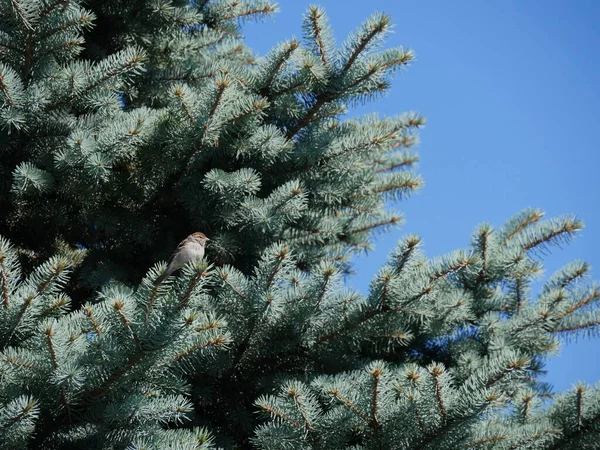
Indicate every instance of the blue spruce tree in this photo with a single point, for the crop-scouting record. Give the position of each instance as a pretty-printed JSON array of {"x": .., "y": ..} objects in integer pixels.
[{"x": 126, "y": 126}]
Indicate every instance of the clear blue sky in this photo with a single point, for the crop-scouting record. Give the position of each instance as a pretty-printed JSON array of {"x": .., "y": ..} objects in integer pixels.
[{"x": 511, "y": 93}]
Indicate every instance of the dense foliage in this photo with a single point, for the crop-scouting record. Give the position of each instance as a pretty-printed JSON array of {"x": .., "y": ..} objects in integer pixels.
[
  {"x": 123, "y": 138},
  {"x": 126, "y": 126}
]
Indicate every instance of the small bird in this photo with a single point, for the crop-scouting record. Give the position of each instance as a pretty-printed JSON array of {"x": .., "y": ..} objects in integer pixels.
[{"x": 190, "y": 249}]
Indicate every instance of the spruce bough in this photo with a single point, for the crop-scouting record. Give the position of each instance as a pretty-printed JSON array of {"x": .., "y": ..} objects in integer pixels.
[{"x": 124, "y": 127}]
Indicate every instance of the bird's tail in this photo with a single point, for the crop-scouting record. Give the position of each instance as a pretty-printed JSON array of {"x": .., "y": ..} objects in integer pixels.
[{"x": 160, "y": 279}]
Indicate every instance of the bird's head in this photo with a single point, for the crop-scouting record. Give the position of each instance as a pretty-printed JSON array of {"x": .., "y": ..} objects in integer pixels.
[{"x": 200, "y": 237}]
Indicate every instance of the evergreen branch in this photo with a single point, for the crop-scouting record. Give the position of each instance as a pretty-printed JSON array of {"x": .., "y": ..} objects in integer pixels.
[
  {"x": 58, "y": 303},
  {"x": 581, "y": 431},
  {"x": 256, "y": 106},
  {"x": 409, "y": 183},
  {"x": 452, "y": 269},
  {"x": 9, "y": 47},
  {"x": 498, "y": 437},
  {"x": 529, "y": 439},
  {"x": 268, "y": 9},
  {"x": 21, "y": 14},
  {"x": 246, "y": 342},
  {"x": 483, "y": 242},
  {"x": 57, "y": 270},
  {"x": 52, "y": 6},
  {"x": 29, "y": 42},
  {"x": 436, "y": 372},
  {"x": 212, "y": 325},
  {"x": 408, "y": 162},
  {"x": 462, "y": 264},
  {"x": 349, "y": 405},
  {"x": 510, "y": 367},
  {"x": 180, "y": 94},
  {"x": 578, "y": 327},
  {"x": 449, "y": 426},
  {"x": 49, "y": 333},
  {"x": 386, "y": 284},
  {"x": 150, "y": 304},
  {"x": 530, "y": 217},
  {"x": 295, "y": 192},
  {"x": 374, "y": 423},
  {"x": 357, "y": 209},
  {"x": 400, "y": 337},
  {"x": 118, "y": 307},
  {"x": 568, "y": 227},
  {"x": 281, "y": 416},
  {"x": 296, "y": 396},
  {"x": 188, "y": 321},
  {"x": 4, "y": 282},
  {"x": 402, "y": 60},
  {"x": 88, "y": 312},
  {"x": 408, "y": 140},
  {"x": 287, "y": 90},
  {"x": 377, "y": 140},
  {"x": 24, "y": 412},
  {"x": 198, "y": 347},
  {"x": 126, "y": 66},
  {"x": 281, "y": 255},
  {"x": 579, "y": 403},
  {"x": 82, "y": 21},
  {"x": 365, "y": 40},
  {"x": 542, "y": 317},
  {"x": 116, "y": 375},
  {"x": 579, "y": 273},
  {"x": 5, "y": 90},
  {"x": 225, "y": 278},
  {"x": 373, "y": 69},
  {"x": 315, "y": 15},
  {"x": 329, "y": 336},
  {"x": 412, "y": 244},
  {"x": 22, "y": 311},
  {"x": 527, "y": 406},
  {"x": 123, "y": 68},
  {"x": 325, "y": 97},
  {"x": 293, "y": 45},
  {"x": 185, "y": 298},
  {"x": 190, "y": 78},
  {"x": 557, "y": 299},
  {"x": 419, "y": 419},
  {"x": 391, "y": 221},
  {"x": 220, "y": 37},
  {"x": 255, "y": 319},
  {"x": 349, "y": 325},
  {"x": 16, "y": 362},
  {"x": 221, "y": 86},
  {"x": 567, "y": 276},
  {"x": 321, "y": 99},
  {"x": 518, "y": 294},
  {"x": 326, "y": 277},
  {"x": 594, "y": 295}
]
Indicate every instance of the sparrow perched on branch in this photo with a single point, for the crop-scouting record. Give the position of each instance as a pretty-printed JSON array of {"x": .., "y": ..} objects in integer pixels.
[{"x": 190, "y": 249}]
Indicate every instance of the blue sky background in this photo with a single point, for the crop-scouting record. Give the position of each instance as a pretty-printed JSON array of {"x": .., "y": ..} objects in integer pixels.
[{"x": 511, "y": 93}]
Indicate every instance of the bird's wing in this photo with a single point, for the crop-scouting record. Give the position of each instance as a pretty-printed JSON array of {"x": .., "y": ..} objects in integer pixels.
[{"x": 176, "y": 252}]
